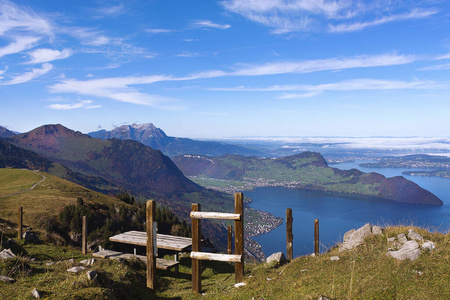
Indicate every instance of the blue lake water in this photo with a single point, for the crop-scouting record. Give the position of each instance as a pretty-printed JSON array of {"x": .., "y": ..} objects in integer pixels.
[{"x": 338, "y": 214}]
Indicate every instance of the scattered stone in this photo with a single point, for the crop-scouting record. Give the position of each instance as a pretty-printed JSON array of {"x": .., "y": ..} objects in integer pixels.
[
  {"x": 428, "y": 246},
  {"x": 414, "y": 235},
  {"x": 91, "y": 275},
  {"x": 88, "y": 262},
  {"x": 269, "y": 279},
  {"x": 313, "y": 255},
  {"x": 76, "y": 269},
  {"x": 240, "y": 284},
  {"x": 377, "y": 230},
  {"x": 410, "y": 250},
  {"x": 7, "y": 279},
  {"x": 391, "y": 239},
  {"x": 36, "y": 294},
  {"x": 323, "y": 298},
  {"x": 277, "y": 257},
  {"x": 303, "y": 270},
  {"x": 402, "y": 238},
  {"x": 334, "y": 258},
  {"x": 31, "y": 237},
  {"x": 50, "y": 263},
  {"x": 7, "y": 254},
  {"x": 71, "y": 260},
  {"x": 354, "y": 237},
  {"x": 420, "y": 273}
]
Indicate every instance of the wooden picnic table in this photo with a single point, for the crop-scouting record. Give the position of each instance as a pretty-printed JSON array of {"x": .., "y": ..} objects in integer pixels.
[{"x": 163, "y": 241}]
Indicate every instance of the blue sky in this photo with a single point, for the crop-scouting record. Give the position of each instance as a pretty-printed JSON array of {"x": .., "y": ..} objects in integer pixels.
[{"x": 211, "y": 69}]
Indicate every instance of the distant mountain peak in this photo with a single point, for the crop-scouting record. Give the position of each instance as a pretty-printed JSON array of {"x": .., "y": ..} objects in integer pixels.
[{"x": 5, "y": 133}]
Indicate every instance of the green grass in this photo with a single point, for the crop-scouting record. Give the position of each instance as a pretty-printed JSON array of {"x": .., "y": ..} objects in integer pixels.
[
  {"x": 46, "y": 199},
  {"x": 362, "y": 273}
]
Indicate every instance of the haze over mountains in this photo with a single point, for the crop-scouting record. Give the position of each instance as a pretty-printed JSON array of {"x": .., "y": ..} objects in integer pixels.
[{"x": 154, "y": 137}]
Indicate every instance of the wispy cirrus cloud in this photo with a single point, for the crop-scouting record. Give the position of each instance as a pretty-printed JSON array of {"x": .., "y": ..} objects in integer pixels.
[
  {"x": 309, "y": 66},
  {"x": 159, "y": 30},
  {"x": 285, "y": 16},
  {"x": 357, "y": 26},
  {"x": 45, "y": 55},
  {"x": 111, "y": 11},
  {"x": 120, "y": 89},
  {"x": 20, "y": 44},
  {"x": 188, "y": 54},
  {"x": 209, "y": 24},
  {"x": 28, "y": 76},
  {"x": 346, "y": 85},
  {"x": 86, "y": 104}
]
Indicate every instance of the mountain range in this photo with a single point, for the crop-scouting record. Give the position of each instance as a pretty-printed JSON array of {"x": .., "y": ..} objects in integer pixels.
[{"x": 154, "y": 137}]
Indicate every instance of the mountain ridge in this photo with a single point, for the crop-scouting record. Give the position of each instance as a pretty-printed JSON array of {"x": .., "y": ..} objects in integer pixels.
[{"x": 154, "y": 137}]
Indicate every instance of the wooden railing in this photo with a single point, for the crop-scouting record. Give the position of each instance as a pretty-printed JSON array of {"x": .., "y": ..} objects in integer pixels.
[{"x": 197, "y": 255}]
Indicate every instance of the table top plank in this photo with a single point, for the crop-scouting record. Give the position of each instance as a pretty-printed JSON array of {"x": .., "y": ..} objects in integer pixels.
[{"x": 163, "y": 241}]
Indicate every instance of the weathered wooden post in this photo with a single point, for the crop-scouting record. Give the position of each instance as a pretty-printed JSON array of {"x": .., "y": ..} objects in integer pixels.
[
  {"x": 151, "y": 245},
  {"x": 316, "y": 236},
  {"x": 239, "y": 236},
  {"x": 289, "y": 235},
  {"x": 196, "y": 247},
  {"x": 19, "y": 229},
  {"x": 230, "y": 239},
  {"x": 84, "y": 237}
]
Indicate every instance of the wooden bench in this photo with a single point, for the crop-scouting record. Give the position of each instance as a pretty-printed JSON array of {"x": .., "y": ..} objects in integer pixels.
[{"x": 161, "y": 263}]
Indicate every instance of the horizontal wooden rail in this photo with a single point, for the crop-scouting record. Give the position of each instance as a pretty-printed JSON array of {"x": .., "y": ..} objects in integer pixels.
[
  {"x": 217, "y": 257},
  {"x": 214, "y": 215}
]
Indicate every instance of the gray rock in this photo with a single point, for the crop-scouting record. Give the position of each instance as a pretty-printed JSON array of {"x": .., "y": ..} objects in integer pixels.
[
  {"x": 7, "y": 279},
  {"x": 354, "y": 237},
  {"x": 91, "y": 275},
  {"x": 278, "y": 257},
  {"x": 414, "y": 235},
  {"x": 402, "y": 238},
  {"x": 323, "y": 298},
  {"x": 36, "y": 294},
  {"x": 31, "y": 237},
  {"x": 391, "y": 239},
  {"x": 428, "y": 246},
  {"x": 7, "y": 254},
  {"x": 410, "y": 250},
  {"x": 50, "y": 263},
  {"x": 377, "y": 230},
  {"x": 71, "y": 260},
  {"x": 334, "y": 258},
  {"x": 88, "y": 262},
  {"x": 76, "y": 269}
]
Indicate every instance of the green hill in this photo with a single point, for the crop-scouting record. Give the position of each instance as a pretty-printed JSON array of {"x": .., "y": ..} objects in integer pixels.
[
  {"x": 46, "y": 199},
  {"x": 307, "y": 170}
]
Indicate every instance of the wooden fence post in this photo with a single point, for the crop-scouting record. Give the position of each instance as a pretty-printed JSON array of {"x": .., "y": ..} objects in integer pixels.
[
  {"x": 151, "y": 258},
  {"x": 196, "y": 247},
  {"x": 230, "y": 238},
  {"x": 316, "y": 236},
  {"x": 84, "y": 237},
  {"x": 239, "y": 236},
  {"x": 289, "y": 235},
  {"x": 19, "y": 229}
]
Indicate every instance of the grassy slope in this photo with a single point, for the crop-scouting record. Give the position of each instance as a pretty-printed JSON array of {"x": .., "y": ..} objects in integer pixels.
[
  {"x": 47, "y": 198},
  {"x": 363, "y": 273}
]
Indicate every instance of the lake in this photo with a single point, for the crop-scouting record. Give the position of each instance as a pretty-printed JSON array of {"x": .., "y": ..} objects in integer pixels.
[{"x": 339, "y": 214}]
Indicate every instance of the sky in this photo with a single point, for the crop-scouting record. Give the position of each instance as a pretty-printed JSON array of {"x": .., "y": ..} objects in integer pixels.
[{"x": 229, "y": 68}]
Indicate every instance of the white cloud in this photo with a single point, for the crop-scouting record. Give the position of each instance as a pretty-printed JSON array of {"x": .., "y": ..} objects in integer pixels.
[
  {"x": 46, "y": 55},
  {"x": 309, "y": 66},
  {"x": 159, "y": 30},
  {"x": 436, "y": 67},
  {"x": 285, "y": 16},
  {"x": 299, "y": 96},
  {"x": 414, "y": 14},
  {"x": 29, "y": 75},
  {"x": 21, "y": 43},
  {"x": 120, "y": 89},
  {"x": 83, "y": 104},
  {"x": 14, "y": 19},
  {"x": 346, "y": 85},
  {"x": 112, "y": 11},
  {"x": 188, "y": 54},
  {"x": 209, "y": 24}
]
